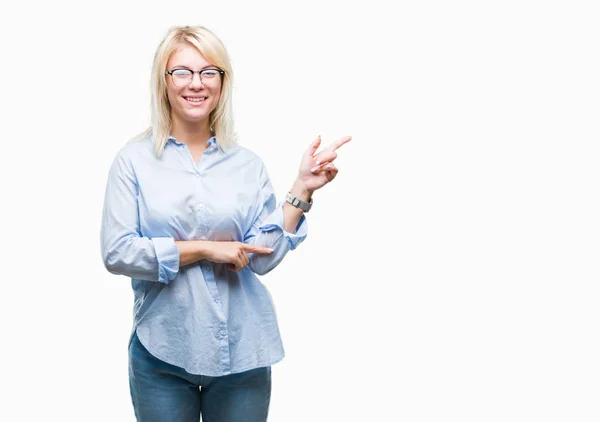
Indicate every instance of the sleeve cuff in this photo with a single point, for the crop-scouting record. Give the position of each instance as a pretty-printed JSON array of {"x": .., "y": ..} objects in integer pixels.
[
  {"x": 167, "y": 255},
  {"x": 275, "y": 221}
]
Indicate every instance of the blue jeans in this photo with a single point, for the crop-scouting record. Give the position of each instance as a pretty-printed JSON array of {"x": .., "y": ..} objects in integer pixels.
[{"x": 166, "y": 393}]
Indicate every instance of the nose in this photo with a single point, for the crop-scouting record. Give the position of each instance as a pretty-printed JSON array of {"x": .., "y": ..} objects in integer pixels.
[{"x": 196, "y": 81}]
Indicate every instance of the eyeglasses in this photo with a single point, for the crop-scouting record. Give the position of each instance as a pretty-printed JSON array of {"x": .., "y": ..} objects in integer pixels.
[{"x": 183, "y": 77}]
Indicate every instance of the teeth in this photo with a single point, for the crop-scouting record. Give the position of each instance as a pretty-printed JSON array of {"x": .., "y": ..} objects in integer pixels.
[{"x": 195, "y": 99}]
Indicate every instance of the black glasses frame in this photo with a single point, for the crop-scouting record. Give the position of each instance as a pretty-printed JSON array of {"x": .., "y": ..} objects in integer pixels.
[{"x": 199, "y": 72}]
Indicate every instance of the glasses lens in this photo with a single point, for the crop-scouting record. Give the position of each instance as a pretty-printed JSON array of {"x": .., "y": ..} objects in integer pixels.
[
  {"x": 209, "y": 76},
  {"x": 181, "y": 77}
]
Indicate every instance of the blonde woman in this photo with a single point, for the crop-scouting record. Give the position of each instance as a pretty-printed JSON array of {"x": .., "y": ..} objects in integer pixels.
[{"x": 191, "y": 217}]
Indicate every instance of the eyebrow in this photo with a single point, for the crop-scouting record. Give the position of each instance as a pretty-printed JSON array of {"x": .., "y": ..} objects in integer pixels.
[{"x": 202, "y": 68}]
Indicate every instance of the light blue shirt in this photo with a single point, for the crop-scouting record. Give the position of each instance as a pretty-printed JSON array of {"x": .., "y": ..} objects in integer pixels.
[{"x": 202, "y": 317}]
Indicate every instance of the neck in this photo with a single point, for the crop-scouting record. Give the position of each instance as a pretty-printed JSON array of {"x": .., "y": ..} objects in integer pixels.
[{"x": 191, "y": 134}]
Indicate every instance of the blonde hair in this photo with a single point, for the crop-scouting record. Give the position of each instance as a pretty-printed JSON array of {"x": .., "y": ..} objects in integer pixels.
[{"x": 213, "y": 50}]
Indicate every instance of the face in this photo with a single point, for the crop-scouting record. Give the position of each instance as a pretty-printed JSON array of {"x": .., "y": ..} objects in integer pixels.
[{"x": 192, "y": 103}]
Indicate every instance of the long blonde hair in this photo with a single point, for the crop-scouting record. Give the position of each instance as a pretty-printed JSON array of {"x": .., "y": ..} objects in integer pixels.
[{"x": 213, "y": 50}]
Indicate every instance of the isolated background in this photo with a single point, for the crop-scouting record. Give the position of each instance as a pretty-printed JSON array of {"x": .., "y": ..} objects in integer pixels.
[{"x": 450, "y": 272}]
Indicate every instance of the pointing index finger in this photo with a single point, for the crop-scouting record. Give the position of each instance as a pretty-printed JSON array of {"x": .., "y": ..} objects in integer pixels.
[
  {"x": 257, "y": 249},
  {"x": 340, "y": 142}
]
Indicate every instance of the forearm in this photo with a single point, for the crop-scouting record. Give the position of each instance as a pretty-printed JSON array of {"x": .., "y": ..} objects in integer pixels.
[
  {"x": 282, "y": 230},
  {"x": 291, "y": 214},
  {"x": 191, "y": 251},
  {"x": 140, "y": 257}
]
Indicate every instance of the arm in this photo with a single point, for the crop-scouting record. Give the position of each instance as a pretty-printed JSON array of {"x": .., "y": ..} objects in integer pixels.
[
  {"x": 233, "y": 253},
  {"x": 191, "y": 251},
  {"x": 288, "y": 223},
  {"x": 279, "y": 227},
  {"x": 292, "y": 214},
  {"x": 124, "y": 250}
]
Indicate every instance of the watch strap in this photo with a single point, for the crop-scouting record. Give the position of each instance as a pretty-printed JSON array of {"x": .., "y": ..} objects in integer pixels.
[{"x": 298, "y": 203}]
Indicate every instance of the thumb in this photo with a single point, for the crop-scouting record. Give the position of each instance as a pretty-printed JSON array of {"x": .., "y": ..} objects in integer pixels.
[{"x": 314, "y": 146}]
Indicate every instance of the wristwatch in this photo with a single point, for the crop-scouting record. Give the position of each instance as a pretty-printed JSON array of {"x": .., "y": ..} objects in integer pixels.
[{"x": 298, "y": 203}]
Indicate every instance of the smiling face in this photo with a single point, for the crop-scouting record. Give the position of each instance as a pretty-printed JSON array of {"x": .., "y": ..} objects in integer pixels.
[{"x": 192, "y": 103}]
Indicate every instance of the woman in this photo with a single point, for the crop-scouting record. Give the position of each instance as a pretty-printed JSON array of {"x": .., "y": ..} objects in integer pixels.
[{"x": 191, "y": 217}]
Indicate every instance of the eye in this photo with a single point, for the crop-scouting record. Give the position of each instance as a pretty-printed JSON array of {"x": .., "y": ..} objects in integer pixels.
[
  {"x": 210, "y": 73},
  {"x": 181, "y": 73}
]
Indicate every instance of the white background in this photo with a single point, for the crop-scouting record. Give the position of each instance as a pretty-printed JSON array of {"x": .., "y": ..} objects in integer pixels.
[{"x": 451, "y": 270}]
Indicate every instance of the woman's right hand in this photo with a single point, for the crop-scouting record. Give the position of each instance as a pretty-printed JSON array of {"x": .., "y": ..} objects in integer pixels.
[{"x": 235, "y": 254}]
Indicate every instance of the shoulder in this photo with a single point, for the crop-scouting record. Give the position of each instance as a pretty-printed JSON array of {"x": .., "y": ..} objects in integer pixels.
[
  {"x": 248, "y": 164},
  {"x": 131, "y": 156},
  {"x": 135, "y": 151},
  {"x": 136, "y": 148},
  {"x": 243, "y": 152},
  {"x": 245, "y": 156}
]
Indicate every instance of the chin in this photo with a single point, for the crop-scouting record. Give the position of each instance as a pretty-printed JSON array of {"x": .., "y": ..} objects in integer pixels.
[{"x": 195, "y": 119}]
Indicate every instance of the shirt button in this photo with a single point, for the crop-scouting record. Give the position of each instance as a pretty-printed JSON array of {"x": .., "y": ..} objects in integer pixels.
[
  {"x": 222, "y": 333},
  {"x": 217, "y": 300}
]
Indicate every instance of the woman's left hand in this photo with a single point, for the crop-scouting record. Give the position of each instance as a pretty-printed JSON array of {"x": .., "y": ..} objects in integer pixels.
[{"x": 317, "y": 169}]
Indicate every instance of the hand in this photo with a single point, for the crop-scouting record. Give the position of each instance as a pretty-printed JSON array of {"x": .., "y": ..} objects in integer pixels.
[
  {"x": 235, "y": 254},
  {"x": 317, "y": 169}
]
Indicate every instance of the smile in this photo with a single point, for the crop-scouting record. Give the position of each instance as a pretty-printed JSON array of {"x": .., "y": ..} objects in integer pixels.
[{"x": 195, "y": 100}]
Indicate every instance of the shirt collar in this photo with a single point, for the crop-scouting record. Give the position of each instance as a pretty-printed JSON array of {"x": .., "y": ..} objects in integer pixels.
[{"x": 210, "y": 142}]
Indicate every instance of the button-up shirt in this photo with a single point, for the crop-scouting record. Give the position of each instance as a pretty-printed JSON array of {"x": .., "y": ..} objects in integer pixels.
[{"x": 202, "y": 317}]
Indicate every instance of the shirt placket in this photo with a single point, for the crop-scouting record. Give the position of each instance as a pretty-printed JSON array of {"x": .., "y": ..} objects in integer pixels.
[{"x": 220, "y": 330}]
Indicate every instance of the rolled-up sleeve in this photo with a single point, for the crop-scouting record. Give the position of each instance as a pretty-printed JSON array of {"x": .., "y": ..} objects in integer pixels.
[
  {"x": 167, "y": 256},
  {"x": 124, "y": 250},
  {"x": 268, "y": 230}
]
